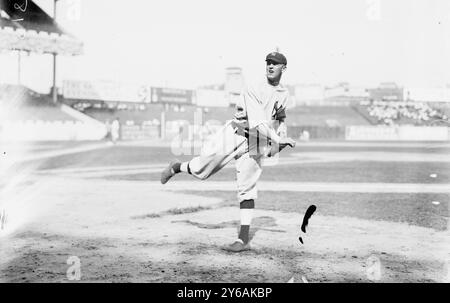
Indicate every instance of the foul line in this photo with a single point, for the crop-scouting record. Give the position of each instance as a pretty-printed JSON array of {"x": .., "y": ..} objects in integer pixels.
[{"x": 307, "y": 187}]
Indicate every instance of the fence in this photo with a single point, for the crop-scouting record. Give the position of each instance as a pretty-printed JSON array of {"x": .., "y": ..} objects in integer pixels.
[
  {"x": 397, "y": 133},
  {"x": 317, "y": 132},
  {"x": 140, "y": 132}
]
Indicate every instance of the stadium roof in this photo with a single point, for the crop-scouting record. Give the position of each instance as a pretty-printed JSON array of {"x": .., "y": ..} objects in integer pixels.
[{"x": 29, "y": 28}]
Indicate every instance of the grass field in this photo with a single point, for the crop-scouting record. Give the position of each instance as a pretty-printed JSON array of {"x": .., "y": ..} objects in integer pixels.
[{"x": 105, "y": 205}]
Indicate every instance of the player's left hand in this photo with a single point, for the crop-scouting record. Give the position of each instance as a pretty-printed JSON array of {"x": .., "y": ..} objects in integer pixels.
[
  {"x": 275, "y": 149},
  {"x": 287, "y": 141}
]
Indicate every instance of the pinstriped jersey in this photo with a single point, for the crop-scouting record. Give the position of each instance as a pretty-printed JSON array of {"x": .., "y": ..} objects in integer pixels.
[{"x": 261, "y": 103}]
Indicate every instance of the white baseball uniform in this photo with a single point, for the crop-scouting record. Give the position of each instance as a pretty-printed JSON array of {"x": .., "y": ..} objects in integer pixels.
[
  {"x": 245, "y": 138},
  {"x": 115, "y": 130}
]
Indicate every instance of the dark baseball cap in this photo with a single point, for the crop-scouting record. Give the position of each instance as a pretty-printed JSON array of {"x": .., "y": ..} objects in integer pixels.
[{"x": 276, "y": 57}]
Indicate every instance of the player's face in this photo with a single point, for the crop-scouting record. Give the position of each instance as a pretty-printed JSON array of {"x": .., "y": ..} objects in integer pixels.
[{"x": 274, "y": 70}]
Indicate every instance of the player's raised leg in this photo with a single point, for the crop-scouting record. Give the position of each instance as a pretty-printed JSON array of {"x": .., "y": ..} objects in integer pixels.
[
  {"x": 172, "y": 169},
  {"x": 215, "y": 154}
]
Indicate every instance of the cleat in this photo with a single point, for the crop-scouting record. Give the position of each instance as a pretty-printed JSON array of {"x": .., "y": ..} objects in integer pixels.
[
  {"x": 167, "y": 173},
  {"x": 237, "y": 246}
]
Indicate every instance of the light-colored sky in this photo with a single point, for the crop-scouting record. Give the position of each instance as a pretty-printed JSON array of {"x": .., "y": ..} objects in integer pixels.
[{"x": 183, "y": 43}]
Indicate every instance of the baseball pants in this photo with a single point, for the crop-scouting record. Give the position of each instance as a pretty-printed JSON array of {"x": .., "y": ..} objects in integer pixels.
[{"x": 224, "y": 146}]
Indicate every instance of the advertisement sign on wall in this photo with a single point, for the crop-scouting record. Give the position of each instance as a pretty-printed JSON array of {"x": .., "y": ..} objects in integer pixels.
[
  {"x": 106, "y": 91},
  {"x": 171, "y": 95}
]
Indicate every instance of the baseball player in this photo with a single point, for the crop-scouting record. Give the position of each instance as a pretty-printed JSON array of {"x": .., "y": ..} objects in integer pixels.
[
  {"x": 257, "y": 130},
  {"x": 115, "y": 130}
]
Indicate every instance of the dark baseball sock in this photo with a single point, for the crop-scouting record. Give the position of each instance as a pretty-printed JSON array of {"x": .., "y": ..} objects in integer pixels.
[
  {"x": 176, "y": 168},
  {"x": 243, "y": 233},
  {"x": 184, "y": 167},
  {"x": 246, "y": 207}
]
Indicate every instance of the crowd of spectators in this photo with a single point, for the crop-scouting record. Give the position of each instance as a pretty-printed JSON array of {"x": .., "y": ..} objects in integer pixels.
[{"x": 390, "y": 112}]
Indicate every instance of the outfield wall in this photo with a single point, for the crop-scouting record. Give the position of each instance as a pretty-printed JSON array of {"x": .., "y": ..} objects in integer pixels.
[
  {"x": 397, "y": 133},
  {"x": 317, "y": 132},
  {"x": 78, "y": 131},
  {"x": 140, "y": 132}
]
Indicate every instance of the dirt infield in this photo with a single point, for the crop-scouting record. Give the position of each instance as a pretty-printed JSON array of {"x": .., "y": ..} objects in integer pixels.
[{"x": 125, "y": 230}]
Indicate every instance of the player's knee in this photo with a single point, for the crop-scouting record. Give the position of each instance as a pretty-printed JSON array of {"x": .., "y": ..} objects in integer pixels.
[
  {"x": 204, "y": 176},
  {"x": 200, "y": 174}
]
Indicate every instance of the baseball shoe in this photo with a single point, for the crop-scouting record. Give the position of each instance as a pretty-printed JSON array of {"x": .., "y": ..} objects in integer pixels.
[
  {"x": 237, "y": 246},
  {"x": 168, "y": 173}
]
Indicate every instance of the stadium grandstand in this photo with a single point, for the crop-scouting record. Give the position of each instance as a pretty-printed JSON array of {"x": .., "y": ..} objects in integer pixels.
[
  {"x": 26, "y": 114},
  {"x": 31, "y": 29},
  {"x": 83, "y": 110},
  {"x": 144, "y": 107},
  {"x": 331, "y": 116},
  {"x": 27, "y": 105},
  {"x": 402, "y": 112},
  {"x": 391, "y": 105}
]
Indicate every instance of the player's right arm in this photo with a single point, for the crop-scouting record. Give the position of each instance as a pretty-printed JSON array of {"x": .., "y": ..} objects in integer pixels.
[{"x": 267, "y": 132}]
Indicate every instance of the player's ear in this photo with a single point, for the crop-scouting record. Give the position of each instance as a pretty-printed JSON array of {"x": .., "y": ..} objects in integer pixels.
[{"x": 283, "y": 69}]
